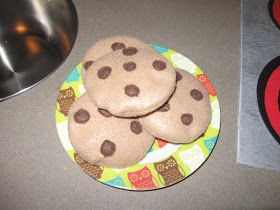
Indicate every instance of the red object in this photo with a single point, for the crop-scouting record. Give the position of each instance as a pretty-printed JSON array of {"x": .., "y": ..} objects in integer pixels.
[
  {"x": 141, "y": 179},
  {"x": 268, "y": 94},
  {"x": 271, "y": 100},
  {"x": 160, "y": 143},
  {"x": 207, "y": 84},
  {"x": 276, "y": 11}
]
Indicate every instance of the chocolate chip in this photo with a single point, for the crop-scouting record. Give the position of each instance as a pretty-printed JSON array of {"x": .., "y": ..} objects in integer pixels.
[
  {"x": 132, "y": 90},
  {"x": 81, "y": 116},
  {"x": 104, "y": 72},
  {"x": 104, "y": 112},
  {"x": 87, "y": 65},
  {"x": 136, "y": 127},
  {"x": 107, "y": 148},
  {"x": 117, "y": 46},
  {"x": 178, "y": 76},
  {"x": 159, "y": 65},
  {"x": 196, "y": 94},
  {"x": 187, "y": 119},
  {"x": 130, "y": 51},
  {"x": 130, "y": 66},
  {"x": 165, "y": 108}
]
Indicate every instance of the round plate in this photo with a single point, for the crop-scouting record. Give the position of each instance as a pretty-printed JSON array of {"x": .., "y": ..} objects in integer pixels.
[{"x": 165, "y": 164}]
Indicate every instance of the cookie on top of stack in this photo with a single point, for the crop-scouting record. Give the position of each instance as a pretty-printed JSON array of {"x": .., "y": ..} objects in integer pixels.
[{"x": 133, "y": 95}]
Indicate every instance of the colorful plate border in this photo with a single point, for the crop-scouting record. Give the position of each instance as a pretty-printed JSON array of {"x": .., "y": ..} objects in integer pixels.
[{"x": 165, "y": 164}]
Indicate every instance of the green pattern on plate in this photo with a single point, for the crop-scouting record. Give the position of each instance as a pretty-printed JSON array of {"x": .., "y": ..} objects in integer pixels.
[{"x": 165, "y": 163}]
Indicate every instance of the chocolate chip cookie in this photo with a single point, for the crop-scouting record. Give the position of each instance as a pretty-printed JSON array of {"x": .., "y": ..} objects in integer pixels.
[
  {"x": 108, "y": 45},
  {"x": 130, "y": 82},
  {"x": 102, "y": 139},
  {"x": 185, "y": 116}
]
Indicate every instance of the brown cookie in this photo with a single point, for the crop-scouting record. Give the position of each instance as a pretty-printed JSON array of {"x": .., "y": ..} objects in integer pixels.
[
  {"x": 111, "y": 44},
  {"x": 102, "y": 139},
  {"x": 185, "y": 116},
  {"x": 130, "y": 82}
]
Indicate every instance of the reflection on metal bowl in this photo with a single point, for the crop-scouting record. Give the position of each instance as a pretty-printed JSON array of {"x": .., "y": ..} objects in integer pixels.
[{"x": 36, "y": 36}]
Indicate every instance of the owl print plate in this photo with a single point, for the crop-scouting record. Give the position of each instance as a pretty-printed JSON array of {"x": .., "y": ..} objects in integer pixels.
[{"x": 165, "y": 164}]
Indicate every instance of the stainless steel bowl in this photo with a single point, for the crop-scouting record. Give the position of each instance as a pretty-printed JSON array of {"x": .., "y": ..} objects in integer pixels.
[{"x": 36, "y": 36}]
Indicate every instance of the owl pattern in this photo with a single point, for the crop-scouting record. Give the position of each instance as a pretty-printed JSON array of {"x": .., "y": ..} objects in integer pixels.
[
  {"x": 207, "y": 84},
  {"x": 169, "y": 170},
  {"x": 65, "y": 99},
  {"x": 192, "y": 157},
  {"x": 141, "y": 179},
  {"x": 93, "y": 171}
]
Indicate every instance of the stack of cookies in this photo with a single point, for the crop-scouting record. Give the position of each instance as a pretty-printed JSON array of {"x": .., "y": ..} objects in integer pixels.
[{"x": 133, "y": 95}]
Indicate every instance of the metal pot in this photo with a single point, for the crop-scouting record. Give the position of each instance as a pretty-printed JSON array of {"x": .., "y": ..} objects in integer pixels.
[{"x": 36, "y": 36}]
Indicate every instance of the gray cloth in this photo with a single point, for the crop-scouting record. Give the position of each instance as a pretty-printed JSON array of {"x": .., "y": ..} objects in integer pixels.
[{"x": 260, "y": 43}]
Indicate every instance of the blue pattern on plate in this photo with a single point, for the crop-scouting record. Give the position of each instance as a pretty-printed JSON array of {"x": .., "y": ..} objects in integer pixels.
[
  {"x": 159, "y": 49},
  {"x": 118, "y": 181},
  {"x": 73, "y": 76},
  {"x": 210, "y": 143}
]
